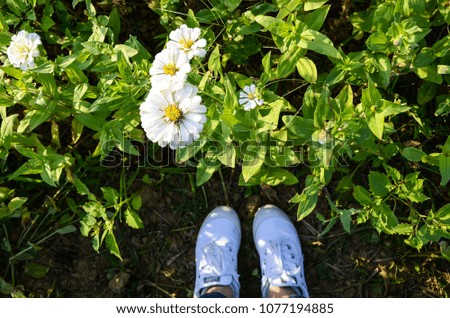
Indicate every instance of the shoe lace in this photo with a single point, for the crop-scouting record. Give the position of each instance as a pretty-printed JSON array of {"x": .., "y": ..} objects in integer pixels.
[
  {"x": 281, "y": 263},
  {"x": 214, "y": 259}
]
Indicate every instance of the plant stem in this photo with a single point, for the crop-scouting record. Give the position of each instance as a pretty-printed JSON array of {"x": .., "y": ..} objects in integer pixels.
[{"x": 224, "y": 187}]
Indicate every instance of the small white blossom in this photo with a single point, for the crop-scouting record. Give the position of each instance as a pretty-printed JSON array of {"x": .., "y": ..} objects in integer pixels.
[
  {"x": 249, "y": 98},
  {"x": 23, "y": 49},
  {"x": 187, "y": 41},
  {"x": 322, "y": 137},
  {"x": 169, "y": 69},
  {"x": 173, "y": 118}
]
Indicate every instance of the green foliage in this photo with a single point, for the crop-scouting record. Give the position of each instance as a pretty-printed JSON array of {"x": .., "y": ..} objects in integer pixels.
[{"x": 343, "y": 116}]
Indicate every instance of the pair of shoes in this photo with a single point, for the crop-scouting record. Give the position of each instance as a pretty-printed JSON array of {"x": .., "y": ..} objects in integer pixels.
[{"x": 276, "y": 241}]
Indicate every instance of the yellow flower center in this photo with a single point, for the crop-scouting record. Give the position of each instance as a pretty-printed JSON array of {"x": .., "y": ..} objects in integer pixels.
[
  {"x": 251, "y": 96},
  {"x": 186, "y": 44},
  {"x": 170, "y": 69},
  {"x": 173, "y": 113}
]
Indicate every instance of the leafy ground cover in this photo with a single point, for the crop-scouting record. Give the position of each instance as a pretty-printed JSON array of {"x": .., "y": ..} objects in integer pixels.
[{"x": 352, "y": 140}]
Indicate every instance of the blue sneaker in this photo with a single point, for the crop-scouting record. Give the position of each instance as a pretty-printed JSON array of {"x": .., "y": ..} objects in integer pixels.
[
  {"x": 216, "y": 251},
  {"x": 279, "y": 250}
]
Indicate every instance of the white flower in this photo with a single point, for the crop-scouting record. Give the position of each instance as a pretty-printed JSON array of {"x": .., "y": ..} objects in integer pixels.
[
  {"x": 249, "y": 98},
  {"x": 169, "y": 69},
  {"x": 173, "y": 118},
  {"x": 23, "y": 49},
  {"x": 186, "y": 40}
]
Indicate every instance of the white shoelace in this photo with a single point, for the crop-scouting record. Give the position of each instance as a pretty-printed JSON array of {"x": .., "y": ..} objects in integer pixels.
[
  {"x": 214, "y": 260},
  {"x": 283, "y": 266}
]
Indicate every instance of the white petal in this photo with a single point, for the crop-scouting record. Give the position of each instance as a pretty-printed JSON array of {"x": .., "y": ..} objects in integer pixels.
[
  {"x": 197, "y": 52},
  {"x": 200, "y": 43},
  {"x": 195, "y": 33},
  {"x": 175, "y": 35},
  {"x": 243, "y": 100}
]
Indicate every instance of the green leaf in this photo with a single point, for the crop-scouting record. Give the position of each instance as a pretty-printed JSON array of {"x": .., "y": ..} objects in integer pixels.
[
  {"x": 240, "y": 51},
  {"x": 379, "y": 183},
  {"x": 443, "y": 107},
  {"x": 37, "y": 117},
  {"x": 362, "y": 196},
  {"x": 214, "y": 62},
  {"x": 124, "y": 65},
  {"x": 66, "y": 230},
  {"x": 47, "y": 67},
  {"x": 274, "y": 25},
  {"x": 390, "y": 108},
  {"x": 111, "y": 244},
  {"x": 3, "y": 26},
  {"x": 253, "y": 160},
  {"x": 16, "y": 203},
  {"x": 133, "y": 219},
  {"x": 443, "y": 214},
  {"x": 75, "y": 74},
  {"x": 346, "y": 219},
  {"x": 231, "y": 4},
  {"x": 383, "y": 65},
  {"x": 82, "y": 188},
  {"x": 110, "y": 195},
  {"x": 444, "y": 168},
  {"x": 303, "y": 128},
  {"x": 320, "y": 43},
  {"x": 444, "y": 162},
  {"x": 230, "y": 101},
  {"x": 114, "y": 23},
  {"x": 393, "y": 173},
  {"x": 266, "y": 63},
  {"x": 95, "y": 123},
  {"x": 142, "y": 53},
  {"x": 403, "y": 229},
  {"x": 136, "y": 202},
  {"x": 205, "y": 169},
  {"x": 287, "y": 8},
  {"x": 228, "y": 155},
  {"x": 49, "y": 175},
  {"x": 372, "y": 102},
  {"x": 377, "y": 42},
  {"x": 5, "y": 288},
  {"x": 310, "y": 5},
  {"x": 315, "y": 19},
  {"x": 413, "y": 154},
  {"x": 383, "y": 219},
  {"x": 276, "y": 176},
  {"x": 110, "y": 103},
  {"x": 6, "y": 130},
  {"x": 35, "y": 270},
  {"x": 322, "y": 110},
  {"x": 445, "y": 248},
  {"x": 307, "y": 69},
  {"x": 17, "y": 6},
  {"x": 429, "y": 73},
  {"x": 283, "y": 156},
  {"x": 288, "y": 61},
  {"x": 426, "y": 92},
  {"x": 86, "y": 224},
  {"x": 307, "y": 201}
]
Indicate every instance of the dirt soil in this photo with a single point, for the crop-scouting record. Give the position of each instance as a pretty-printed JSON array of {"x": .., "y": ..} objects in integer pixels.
[{"x": 159, "y": 259}]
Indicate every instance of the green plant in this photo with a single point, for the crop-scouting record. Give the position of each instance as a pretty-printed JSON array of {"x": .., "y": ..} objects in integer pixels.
[{"x": 366, "y": 127}]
